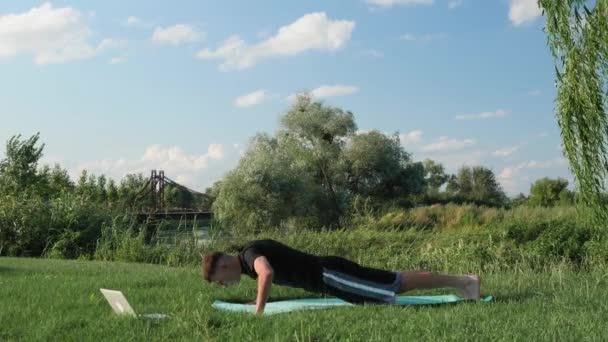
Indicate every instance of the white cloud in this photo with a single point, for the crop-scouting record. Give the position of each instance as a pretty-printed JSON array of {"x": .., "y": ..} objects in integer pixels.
[
  {"x": 391, "y": 3},
  {"x": 108, "y": 44},
  {"x": 523, "y": 11},
  {"x": 177, "y": 164},
  {"x": 509, "y": 176},
  {"x": 454, "y": 3},
  {"x": 313, "y": 31},
  {"x": 215, "y": 151},
  {"x": 51, "y": 35},
  {"x": 427, "y": 37},
  {"x": 543, "y": 134},
  {"x": 176, "y": 34},
  {"x": 505, "y": 152},
  {"x": 408, "y": 36},
  {"x": 534, "y": 92},
  {"x": 251, "y": 99},
  {"x": 454, "y": 160},
  {"x": 374, "y": 53},
  {"x": 411, "y": 138},
  {"x": 263, "y": 34},
  {"x": 175, "y": 157},
  {"x": 508, "y": 173},
  {"x": 447, "y": 144},
  {"x": 484, "y": 115},
  {"x": 325, "y": 91},
  {"x": 508, "y": 151},
  {"x": 533, "y": 164},
  {"x": 118, "y": 60},
  {"x": 133, "y": 21}
]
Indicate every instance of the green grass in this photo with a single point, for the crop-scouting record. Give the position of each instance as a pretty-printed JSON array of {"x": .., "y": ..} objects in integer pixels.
[{"x": 45, "y": 299}]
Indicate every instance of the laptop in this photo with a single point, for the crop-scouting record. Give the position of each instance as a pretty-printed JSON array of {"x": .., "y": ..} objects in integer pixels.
[{"x": 119, "y": 303}]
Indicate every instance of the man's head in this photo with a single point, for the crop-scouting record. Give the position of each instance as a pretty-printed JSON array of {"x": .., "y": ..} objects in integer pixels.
[{"x": 221, "y": 268}]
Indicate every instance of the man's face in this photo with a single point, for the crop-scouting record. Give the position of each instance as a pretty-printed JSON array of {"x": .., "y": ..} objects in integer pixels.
[{"x": 225, "y": 276}]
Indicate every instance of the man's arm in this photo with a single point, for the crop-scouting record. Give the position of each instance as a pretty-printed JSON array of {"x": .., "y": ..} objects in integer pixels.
[{"x": 265, "y": 273}]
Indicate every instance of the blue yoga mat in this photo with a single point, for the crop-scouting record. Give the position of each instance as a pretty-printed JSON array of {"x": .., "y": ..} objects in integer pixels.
[{"x": 323, "y": 303}]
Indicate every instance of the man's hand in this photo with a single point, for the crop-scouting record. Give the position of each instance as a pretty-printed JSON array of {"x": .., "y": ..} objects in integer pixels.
[{"x": 265, "y": 274}]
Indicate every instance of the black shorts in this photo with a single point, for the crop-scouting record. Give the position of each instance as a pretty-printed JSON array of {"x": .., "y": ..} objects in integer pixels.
[{"x": 356, "y": 284}]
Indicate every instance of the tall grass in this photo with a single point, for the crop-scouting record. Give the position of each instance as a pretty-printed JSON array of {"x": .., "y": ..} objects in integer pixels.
[
  {"x": 453, "y": 238},
  {"x": 439, "y": 237}
]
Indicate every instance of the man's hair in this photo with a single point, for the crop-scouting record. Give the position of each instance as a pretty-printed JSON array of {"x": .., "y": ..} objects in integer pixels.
[{"x": 209, "y": 264}]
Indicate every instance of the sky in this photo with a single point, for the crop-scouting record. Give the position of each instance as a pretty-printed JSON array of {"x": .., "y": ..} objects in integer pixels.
[{"x": 116, "y": 87}]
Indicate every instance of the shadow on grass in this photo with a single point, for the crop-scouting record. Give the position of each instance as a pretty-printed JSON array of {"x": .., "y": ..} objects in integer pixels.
[
  {"x": 516, "y": 297},
  {"x": 240, "y": 300},
  {"x": 7, "y": 270}
]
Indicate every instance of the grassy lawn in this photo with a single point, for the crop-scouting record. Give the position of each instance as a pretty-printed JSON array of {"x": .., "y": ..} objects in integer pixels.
[{"x": 60, "y": 300}]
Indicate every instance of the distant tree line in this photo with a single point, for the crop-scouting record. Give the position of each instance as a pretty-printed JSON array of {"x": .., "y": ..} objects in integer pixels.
[
  {"x": 310, "y": 173},
  {"x": 315, "y": 166},
  {"x": 21, "y": 176}
]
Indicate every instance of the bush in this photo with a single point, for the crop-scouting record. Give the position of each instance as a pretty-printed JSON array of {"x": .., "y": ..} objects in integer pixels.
[
  {"x": 65, "y": 227},
  {"x": 449, "y": 237}
]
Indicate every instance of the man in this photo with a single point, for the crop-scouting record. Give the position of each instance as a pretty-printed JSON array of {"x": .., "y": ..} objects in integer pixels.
[{"x": 273, "y": 262}]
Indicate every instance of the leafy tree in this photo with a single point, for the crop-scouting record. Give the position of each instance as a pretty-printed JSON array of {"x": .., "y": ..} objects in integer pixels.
[
  {"x": 452, "y": 185},
  {"x": 112, "y": 191},
  {"x": 377, "y": 167},
  {"x": 520, "y": 199},
  {"x": 311, "y": 170},
  {"x": 548, "y": 192},
  {"x": 567, "y": 197},
  {"x": 133, "y": 190},
  {"x": 320, "y": 131},
  {"x": 81, "y": 185},
  {"x": 176, "y": 197},
  {"x": 477, "y": 184},
  {"x": 87, "y": 186},
  {"x": 54, "y": 182},
  {"x": 268, "y": 186},
  {"x": 578, "y": 39},
  {"x": 434, "y": 175},
  {"x": 100, "y": 189},
  {"x": 18, "y": 171}
]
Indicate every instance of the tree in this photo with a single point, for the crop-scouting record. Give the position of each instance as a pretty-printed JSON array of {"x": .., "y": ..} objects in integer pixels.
[
  {"x": 81, "y": 185},
  {"x": 321, "y": 130},
  {"x": 518, "y": 200},
  {"x": 269, "y": 185},
  {"x": 112, "y": 191},
  {"x": 176, "y": 197},
  {"x": 578, "y": 39},
  {"x": 18, "y": 171},
  {"x": 54, "y": 182},
  {"x": 548, "y": 192},
  {"x": 311, "y": 169},
  {"x": 100, "y": 189},
  {"x": 377, "y": 167},
  {"x": 131, "y": 190},
  {"x": 567, "y": 197},
  {"x": 462, "y": 183},
  {"x": 477, "y": 184},
  {"x": 86, "y": 187},
  {"x": 434, "y": 175}
]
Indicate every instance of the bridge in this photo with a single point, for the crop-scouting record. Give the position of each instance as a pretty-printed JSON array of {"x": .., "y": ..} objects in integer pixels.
[{"x": 155, "y": 188}]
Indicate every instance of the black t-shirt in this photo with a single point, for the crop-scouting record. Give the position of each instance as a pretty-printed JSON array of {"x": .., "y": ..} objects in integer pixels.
[{"x": 290, "y": 267}]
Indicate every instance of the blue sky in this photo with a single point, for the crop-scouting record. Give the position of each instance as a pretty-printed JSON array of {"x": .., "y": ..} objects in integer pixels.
[{"x": 127, "y": 86}]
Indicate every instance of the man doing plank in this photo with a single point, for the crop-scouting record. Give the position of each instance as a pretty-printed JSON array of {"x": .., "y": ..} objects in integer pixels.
[{"x": 273, "y": 262}]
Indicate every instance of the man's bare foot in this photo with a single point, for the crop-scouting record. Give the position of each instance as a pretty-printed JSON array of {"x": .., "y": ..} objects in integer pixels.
[{"x": 471, "y": 286}]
